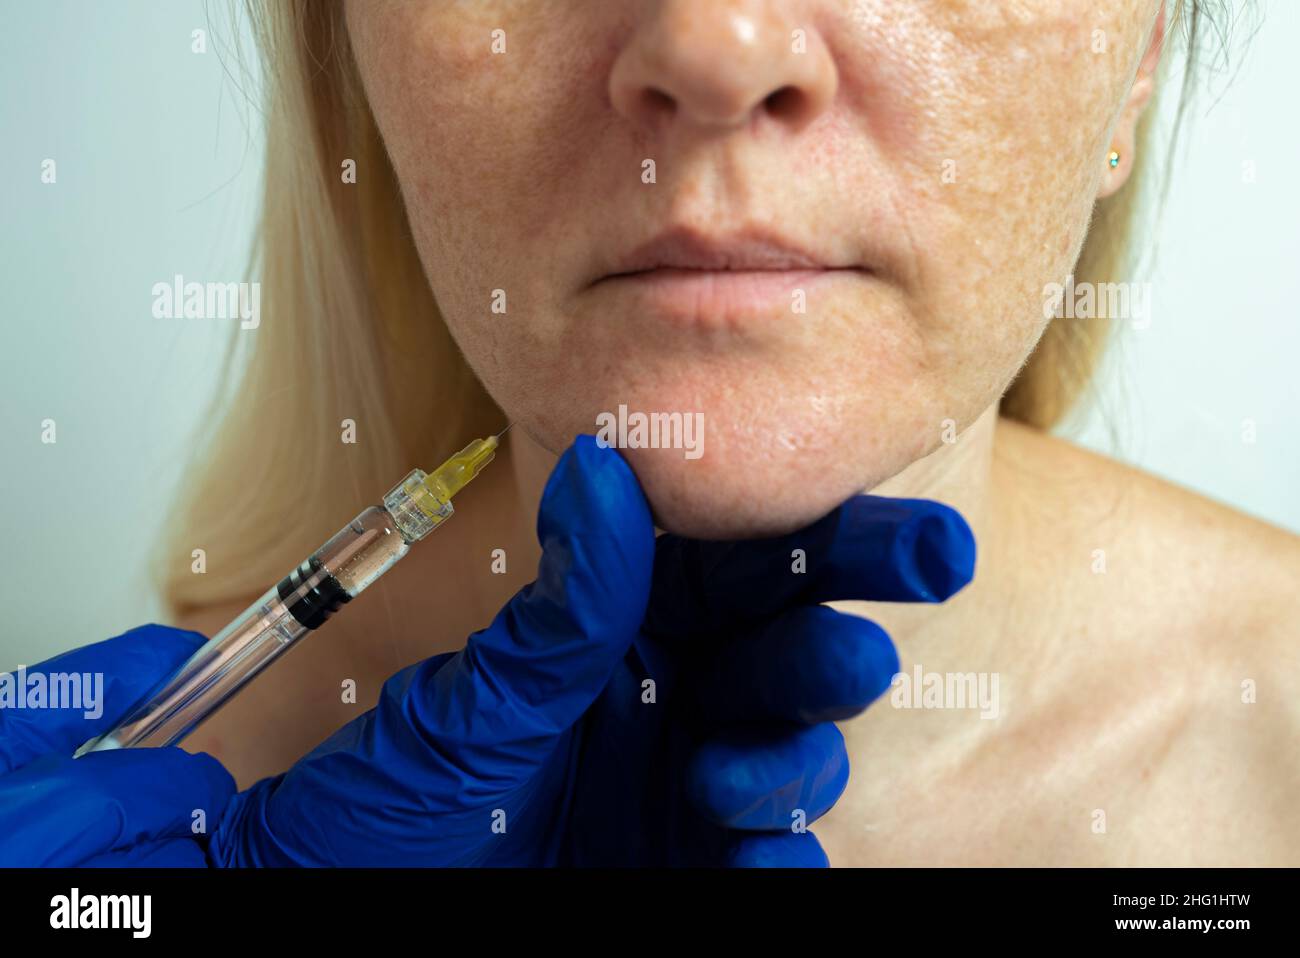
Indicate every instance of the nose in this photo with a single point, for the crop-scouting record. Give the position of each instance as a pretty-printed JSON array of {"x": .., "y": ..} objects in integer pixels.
[{"x": 722, "y": 64}]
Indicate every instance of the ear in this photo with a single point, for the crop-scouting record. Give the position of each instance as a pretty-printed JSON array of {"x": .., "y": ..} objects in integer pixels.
[{"x": 1124, "y": 137}]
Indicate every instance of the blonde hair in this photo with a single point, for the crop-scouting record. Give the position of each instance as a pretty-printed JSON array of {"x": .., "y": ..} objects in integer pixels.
[
  {"x": 1061, "y": 370},
  {"x": 354, "y": 333}
]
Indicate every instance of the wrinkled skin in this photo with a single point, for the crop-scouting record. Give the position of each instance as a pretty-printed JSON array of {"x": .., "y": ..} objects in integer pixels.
[{"x": 937, "y": 159}]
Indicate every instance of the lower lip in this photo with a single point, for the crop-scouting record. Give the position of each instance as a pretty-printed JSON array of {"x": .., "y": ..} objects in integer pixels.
[{"x": 710, "y": 297}]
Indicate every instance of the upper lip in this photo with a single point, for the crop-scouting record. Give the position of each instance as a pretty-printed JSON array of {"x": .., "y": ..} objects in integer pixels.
[{"x": 744, "y": 249}]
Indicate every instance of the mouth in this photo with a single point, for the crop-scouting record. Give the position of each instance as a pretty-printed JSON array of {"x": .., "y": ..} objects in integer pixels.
[{"x": 696, "y": 278}]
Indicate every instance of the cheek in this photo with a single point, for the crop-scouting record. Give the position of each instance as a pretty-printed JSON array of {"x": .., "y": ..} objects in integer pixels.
[
  {"x": 477, "y": 139},
  {"x": 1016, "y": 105}
]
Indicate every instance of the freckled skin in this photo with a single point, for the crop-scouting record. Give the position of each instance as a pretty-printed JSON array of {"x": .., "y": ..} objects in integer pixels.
[
  {"x": 522, "y": 172},
  {"x": 1119, "y": 692}
]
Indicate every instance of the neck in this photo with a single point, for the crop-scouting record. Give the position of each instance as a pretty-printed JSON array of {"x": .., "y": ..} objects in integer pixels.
[
  {"x": 971, "y": 627},
  {"x": 960, "y": 474}
]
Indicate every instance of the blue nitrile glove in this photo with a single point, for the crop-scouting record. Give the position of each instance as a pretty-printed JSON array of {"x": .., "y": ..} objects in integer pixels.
[
  {"x": 535, "y": 745},
  {"x": 751, "y": 672},
  {"x": 125, "y": 807}
]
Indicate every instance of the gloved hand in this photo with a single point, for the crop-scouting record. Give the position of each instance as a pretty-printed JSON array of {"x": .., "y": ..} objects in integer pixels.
[
  {"x": 125, "y": 807},
  {"x": 540, "y": 742}
]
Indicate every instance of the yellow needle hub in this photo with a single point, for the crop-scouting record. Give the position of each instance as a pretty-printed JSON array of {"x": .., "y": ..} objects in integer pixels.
[{"x": 456, "y": 473}]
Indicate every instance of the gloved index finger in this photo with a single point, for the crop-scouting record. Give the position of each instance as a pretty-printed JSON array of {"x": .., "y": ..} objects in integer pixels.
[
  {"x": 457, "y": 731},
  {"x": 549, "y": 652},
  {"x": 871, "y": 548},
  {"x": 57, "y": 705}
]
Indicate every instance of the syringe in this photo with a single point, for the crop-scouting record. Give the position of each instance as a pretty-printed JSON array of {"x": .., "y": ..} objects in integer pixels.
[{"x": 334, "y": 574}]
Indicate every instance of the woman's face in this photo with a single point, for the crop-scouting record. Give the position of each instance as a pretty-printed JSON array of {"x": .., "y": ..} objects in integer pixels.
[{"x": 825, "y": 226}]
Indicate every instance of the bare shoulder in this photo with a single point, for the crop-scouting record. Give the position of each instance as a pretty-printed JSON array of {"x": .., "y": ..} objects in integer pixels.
[
  {"x": 1194, "y": 640},
  {"x": 1239, "y": 574}
]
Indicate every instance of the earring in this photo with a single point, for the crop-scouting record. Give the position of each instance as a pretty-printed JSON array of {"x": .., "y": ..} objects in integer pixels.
[{"x": 1113, "y": 159}]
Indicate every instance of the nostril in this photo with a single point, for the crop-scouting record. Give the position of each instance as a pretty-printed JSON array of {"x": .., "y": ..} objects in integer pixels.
[
  {"x": 658, "y": 102},
  {"x": 785, "y": 103}
]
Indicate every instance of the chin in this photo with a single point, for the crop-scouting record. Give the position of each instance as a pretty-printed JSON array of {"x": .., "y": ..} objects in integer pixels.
[
  {"x": 739, "y": 495},
  {"x": 747, "y": 479},
  {"x": 760, "y": 489}
]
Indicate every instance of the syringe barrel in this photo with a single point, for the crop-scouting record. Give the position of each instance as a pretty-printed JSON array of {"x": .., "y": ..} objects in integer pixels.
[
  {"x": 341, "y": 569},
  {"x": 210, "y": 677}
]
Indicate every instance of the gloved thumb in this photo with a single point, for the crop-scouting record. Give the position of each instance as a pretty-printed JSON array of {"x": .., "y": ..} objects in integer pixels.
[
  {"x": 482, "y": 721},
  {"x": 525, "y": 679}
]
